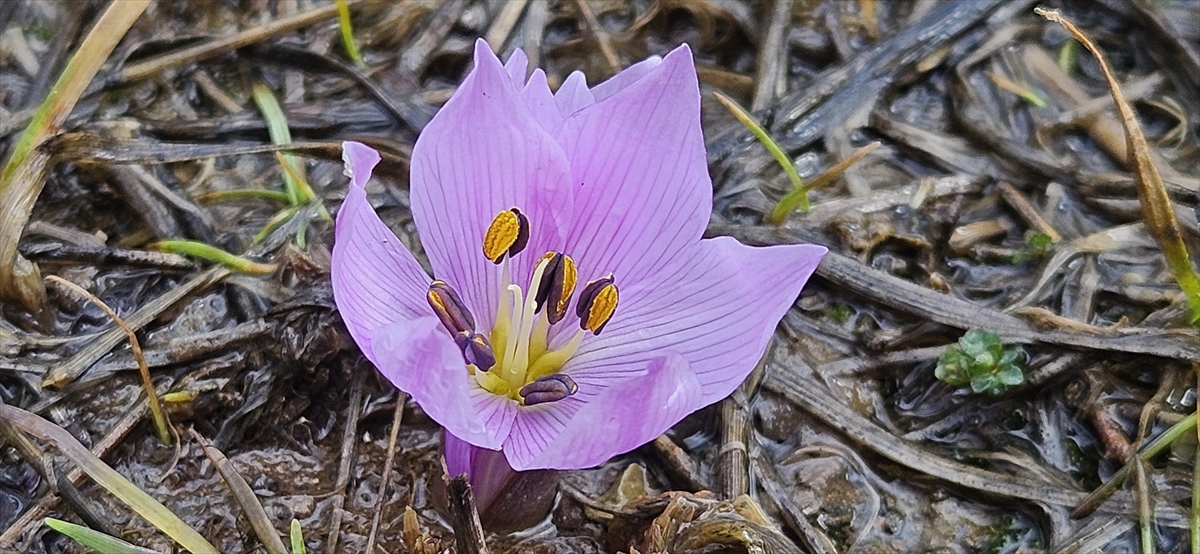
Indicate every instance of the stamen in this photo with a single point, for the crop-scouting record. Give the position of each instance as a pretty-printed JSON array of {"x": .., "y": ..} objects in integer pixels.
[
  {"x": 553, "y": 360},
  {"x": 597, "y": 304},
  {"x": 476, "y": 349},
  {"x": 514, "y": 333},
  {"x": 508, "y": 234},
  {"x": 449, "y": 308},
  {"x": 550, "y": 388},
  {"x": 556, "y": 286},
  {"x": 528, "y": 315}
]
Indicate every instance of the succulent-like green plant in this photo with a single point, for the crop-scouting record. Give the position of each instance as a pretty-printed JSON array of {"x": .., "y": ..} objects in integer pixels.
[
  {"x": 1036, "y": 246},
  {"x": 984, "y": 362}
]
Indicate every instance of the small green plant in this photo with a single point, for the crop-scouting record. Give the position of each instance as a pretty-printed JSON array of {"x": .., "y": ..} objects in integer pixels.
[
  {"x": 1036, "y": 245},
  {"x": 981, "y": 360}
]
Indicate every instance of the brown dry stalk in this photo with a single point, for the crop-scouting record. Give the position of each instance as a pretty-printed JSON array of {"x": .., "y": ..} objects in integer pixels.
[
  {"x": 1156, "y": 204},
  {"x": 160, "y": 420},
  {"x": 24, "y": 173},
  {"x": 243, "y": 494}
]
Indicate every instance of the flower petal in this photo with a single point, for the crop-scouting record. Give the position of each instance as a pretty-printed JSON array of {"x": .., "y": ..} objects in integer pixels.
[
  {"x": 487, "y": 469},
  {"x": 481, "y": 154},
  {"x": 716, "y": 305},
  {"x": 626, "y": 77},
  {"x": 420, "y": 358},
  {"x": 540, "y": 101},
  {"x": 620, "y": 418},
  {"x": 642, "y": 188},
  {"x": 573, "y": 95},
  {"x": 516, "y": 66},
  {"x": 376, "y": 280}
]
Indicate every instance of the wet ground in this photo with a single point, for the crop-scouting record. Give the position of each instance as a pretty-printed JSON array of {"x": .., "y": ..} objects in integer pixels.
[{"x": 995, "y": 130}]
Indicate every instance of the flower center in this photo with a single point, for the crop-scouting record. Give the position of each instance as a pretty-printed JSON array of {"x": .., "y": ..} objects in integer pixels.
[{"x": 515, "y": 358}]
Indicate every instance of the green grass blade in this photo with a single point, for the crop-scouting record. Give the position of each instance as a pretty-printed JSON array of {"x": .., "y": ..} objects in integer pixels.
[
  {"x": 799, "y": 195},
  {"x": 24, "y": 173},
  {"x": 348, "y": 33},
  {"x": 296, "y": 188},
  {"x": 108, "y": 478},
  {"x": 297, "y": 535},
  {"x": 213, "y": 254},
  {"x": 243, "y": 194},
  {"x": 95, "y": 540}
]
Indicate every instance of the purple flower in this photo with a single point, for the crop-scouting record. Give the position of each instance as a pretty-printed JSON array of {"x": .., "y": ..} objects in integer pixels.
[{"x": 576, "y": 313}]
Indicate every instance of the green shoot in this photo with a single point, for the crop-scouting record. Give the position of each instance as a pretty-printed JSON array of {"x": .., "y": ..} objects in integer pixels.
[
  {"x": 95, "y": 540},
  {"x": 799, "y": 194},
  {"x": 1068, "y": 56},
  {"x": 242, "y": 194},
  {"x": 294, "y": 183},
  {"x": 297, "y": 536},
  {"x": 112, "y": 481},
  {"x": 982, "y": 361},
  {"x": 203, "y": 251},
  {"x": 1037, "y": 244},
  {"x": 1026, "y": 92},
  {"x": 348, "y": 33}
]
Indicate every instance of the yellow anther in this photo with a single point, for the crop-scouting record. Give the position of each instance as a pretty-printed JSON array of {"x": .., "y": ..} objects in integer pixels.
[
  {"x": 508, "y": 234},
  {"x": 556, "y": 286},
  {"x": 597, "y": 304},
  {"x": 570, "y": 275}
]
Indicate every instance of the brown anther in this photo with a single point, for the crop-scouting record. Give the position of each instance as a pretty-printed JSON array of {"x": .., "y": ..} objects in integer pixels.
[
  {"x": 550, "y": 388},
  {"x": 449, "y": 308},
  {"x": 597, "y": 304},
  {"x": 557, "y": 285},
  {"x": 507, "y": 235},
  {"x": 476, "y": 349}
]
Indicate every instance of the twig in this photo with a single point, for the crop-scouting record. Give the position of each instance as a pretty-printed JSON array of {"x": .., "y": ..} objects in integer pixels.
[
  {"x": 841, "y": 417},
  {"x": 1156, "y": 204},
  {"x": 535, "y": 30},
  {"x": 417, "y": 53},
  {"x": 602, "y": 37},
  {"x": 502, "y": 26},
  {"x": 1145, "y": 506},
  {"x": 23, "y": 175},
  {"x": 160, "y": 420},
  {"x": 62, "y": 374},
  {"x": 397, "y": 418},
  {"x": 108, "y": 478},
  {"x": 1030, "y": 214},
  {"x": 793, "y": 516},
  {"x": 44, "y": 465},
  {"x": 771, "y": 53},
  {"x": 349, "y": 438},
  {"x": 680, "y": 467},
  {"x": 464, "y": 518},
  {"x": 216, "y": 47},
  {"x": 733, "y": 460},
  {"x": 244, "y": 496}
]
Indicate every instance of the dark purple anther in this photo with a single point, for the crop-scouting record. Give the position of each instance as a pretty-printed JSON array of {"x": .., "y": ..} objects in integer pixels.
[
  {"x": 476, "y": 349},
  {"x": 550, "y": 388},
  {"x": 449, "y": 308}
]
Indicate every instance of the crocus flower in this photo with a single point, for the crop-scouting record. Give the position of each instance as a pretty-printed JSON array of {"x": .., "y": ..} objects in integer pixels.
[{"x": 574, "y": 312}]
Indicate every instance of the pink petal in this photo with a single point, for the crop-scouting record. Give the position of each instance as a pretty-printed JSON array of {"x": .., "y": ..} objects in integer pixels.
[
  {"x": 573, "y": 95},
  {"x": 642, "y": 188},
  {"x": 716, "y": 306},
  {"x": 481, "y": 154},
  {"x": 376, "y": 280},
  {"x": 540, "y": 101},
  {"x": 487, "y": 470},
  {"x": 620, "y": 418},
  {"x": 420, "y": 358},
  {"x": 628, "y": 76},
  {"x": 516, "y": 66}
]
